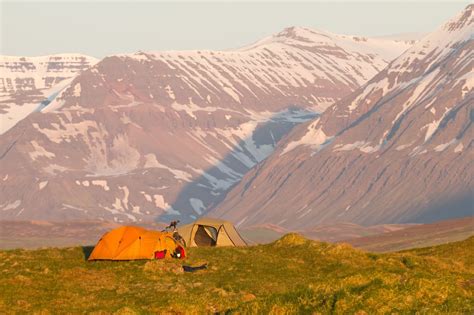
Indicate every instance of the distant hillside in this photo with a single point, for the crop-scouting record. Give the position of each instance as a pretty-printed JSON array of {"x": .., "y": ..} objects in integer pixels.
[
  {"x": 266, "y": 233},
  {"x": 388, "y": 237},
  {"x": 39, "y": 234},
  {"x": 417, "y": 236}
]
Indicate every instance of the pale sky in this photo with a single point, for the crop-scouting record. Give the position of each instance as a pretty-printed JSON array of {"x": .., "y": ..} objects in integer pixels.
[{"x": 100, "y": 28}]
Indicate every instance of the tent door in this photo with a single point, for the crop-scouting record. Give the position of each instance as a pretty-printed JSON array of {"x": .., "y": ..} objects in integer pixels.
[{"x": 205, "y": 236}]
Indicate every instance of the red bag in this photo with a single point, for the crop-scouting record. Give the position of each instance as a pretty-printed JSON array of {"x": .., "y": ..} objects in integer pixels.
[
  {"x": 160, "y": 254},
  {"x": 181, "y": 252}
]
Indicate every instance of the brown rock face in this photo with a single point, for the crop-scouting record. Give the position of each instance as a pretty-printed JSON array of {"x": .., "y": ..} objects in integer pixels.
[
  {"x": 151, "y": 134},
  {"x": 399, "y": 149}
]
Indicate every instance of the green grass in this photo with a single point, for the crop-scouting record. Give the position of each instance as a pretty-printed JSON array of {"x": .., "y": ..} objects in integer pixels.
[{"x": 291, "y": 275}]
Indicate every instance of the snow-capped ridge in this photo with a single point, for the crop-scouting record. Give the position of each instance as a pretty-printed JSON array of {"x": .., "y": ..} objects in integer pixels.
[
  {"x": 131, "y": 121},
  {"x": 441, "y": 42},
  {"x": 27, "y": 84},
  {"x": 395, "y": 150},
  {"x": 462, "y": 20},
  {"x": 386, "y": 48},
  {"x": 59, "y": 56}
]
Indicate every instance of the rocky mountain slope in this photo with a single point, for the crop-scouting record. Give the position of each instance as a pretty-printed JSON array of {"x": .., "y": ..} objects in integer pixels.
[
  {"x": 166, "y": 134},
  {"x": 27, "y": 82},
  {"x": 399, "y": 149}
]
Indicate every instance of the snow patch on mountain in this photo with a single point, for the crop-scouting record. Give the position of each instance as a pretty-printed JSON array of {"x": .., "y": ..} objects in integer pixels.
[
  {"x": 197, "y": 205},
  {"x": 363, "y": 146},
  {"x": 9, "y": 206},
  {"x": 432, "y": 127},
  {"x": 39, "y": 151},
  {"x": 101, "y": 183},
  {"x": 314, "y": 138},
  {"x": 443, "y": 146},
  {"x": 42, "y": 184},
  {"x": 152, "y": 162},
  {"x": 459, "y": 148}
]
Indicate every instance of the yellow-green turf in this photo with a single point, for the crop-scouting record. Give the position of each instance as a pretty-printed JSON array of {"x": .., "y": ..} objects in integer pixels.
[{"x": 290, "y": 276}]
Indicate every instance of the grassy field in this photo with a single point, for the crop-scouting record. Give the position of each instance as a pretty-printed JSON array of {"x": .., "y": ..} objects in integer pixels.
[{"x": 291, "y": 275}]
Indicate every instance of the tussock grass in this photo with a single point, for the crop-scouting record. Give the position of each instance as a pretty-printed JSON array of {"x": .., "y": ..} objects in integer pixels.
[{"x": 292, "y": 275}]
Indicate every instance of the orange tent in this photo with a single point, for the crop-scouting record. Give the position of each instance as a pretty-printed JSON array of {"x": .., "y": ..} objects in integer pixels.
[{"x": 130, "y": 242}]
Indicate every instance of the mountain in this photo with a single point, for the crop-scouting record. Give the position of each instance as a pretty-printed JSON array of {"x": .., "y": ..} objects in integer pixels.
[
  {"x": 26, "y": 82},
  {"x": 167, "y": 134},
  {"x": 397, "y": 150}
]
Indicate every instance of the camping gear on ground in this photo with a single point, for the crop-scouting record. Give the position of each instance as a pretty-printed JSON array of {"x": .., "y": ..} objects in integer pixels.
[
  {"x": 131, "y": 242},
  {"x": 179, "y": 253},
  {"x": 193, "y": 269},
  {"x": 210, "y": 232},
  {"x": 178, "y": 238},
  {"x": 160, "y": 254}
]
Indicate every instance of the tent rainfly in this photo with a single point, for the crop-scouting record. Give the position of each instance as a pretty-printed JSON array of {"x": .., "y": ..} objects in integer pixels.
[
  {"x": 210, "y": 232},
  {"x": 131, "y": 242}
]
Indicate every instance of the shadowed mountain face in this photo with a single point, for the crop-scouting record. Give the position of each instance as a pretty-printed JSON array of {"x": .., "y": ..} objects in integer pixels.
[
  {"x": 399, "y": 149},
  {"x": 209, "y": 189},
  {"x": 139, "y": 136}
]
